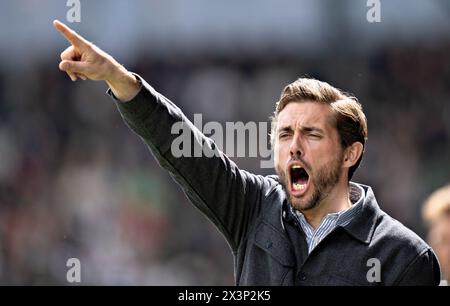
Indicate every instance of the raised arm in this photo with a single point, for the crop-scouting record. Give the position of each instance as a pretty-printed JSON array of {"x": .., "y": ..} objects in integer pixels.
[{"x": 228, "y": 196}]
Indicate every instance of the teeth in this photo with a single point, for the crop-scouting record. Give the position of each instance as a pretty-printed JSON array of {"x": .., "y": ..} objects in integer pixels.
[
  {"x": 298, "y": 186},
  {"x": 296, "y": 167}
]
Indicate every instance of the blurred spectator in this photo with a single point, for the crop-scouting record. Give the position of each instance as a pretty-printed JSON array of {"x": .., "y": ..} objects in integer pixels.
[{"x": 436, "y": 213}]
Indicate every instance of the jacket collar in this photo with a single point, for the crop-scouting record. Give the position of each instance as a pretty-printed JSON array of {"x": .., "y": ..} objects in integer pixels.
[{"x": 363, "y": 223}]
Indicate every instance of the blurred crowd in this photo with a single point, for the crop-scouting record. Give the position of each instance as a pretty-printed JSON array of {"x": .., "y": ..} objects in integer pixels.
[{"x": 76, "y": 182}]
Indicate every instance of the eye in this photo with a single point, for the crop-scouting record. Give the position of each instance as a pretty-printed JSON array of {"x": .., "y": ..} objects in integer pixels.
[
  {"x": 284, "y": 135},
  {"x": 315, "y": 136}
]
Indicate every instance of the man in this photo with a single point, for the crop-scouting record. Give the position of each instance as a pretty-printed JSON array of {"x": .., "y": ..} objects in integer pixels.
[
  {"x": 307, "y": 226},
  {"x": 436, "y": 214}
]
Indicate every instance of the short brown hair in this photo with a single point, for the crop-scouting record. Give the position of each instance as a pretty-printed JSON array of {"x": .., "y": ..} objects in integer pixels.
[
  {"x": 437, "y": 205},
  {"x": 350, "y": 121}
]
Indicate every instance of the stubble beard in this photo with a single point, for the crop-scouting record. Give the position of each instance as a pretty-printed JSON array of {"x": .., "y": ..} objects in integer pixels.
[{"x": 322, "y": 182}]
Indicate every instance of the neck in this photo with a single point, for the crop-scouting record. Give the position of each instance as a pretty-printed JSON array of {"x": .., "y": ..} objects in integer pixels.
[{"x": 337, "y": 200}]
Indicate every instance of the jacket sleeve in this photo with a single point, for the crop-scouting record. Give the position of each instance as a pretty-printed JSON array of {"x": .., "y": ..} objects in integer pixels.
[
  {"x": 228, "y": 196},
  {"x": 424, "y": 270}
]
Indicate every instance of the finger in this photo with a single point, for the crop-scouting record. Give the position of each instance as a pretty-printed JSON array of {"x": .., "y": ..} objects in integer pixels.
[
  {"x": 69, "y": 54},
  {"x": 72, "y": 76},
  {"x": 81, "y": 76},
  {"x": 72, "y": 36},
  {"x": 73, "y": 66}
]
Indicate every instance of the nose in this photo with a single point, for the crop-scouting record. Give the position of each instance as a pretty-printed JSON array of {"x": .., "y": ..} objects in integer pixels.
[{"x": 296, "y": 148}]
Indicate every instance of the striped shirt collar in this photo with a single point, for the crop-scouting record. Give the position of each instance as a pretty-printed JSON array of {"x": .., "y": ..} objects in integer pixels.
[{"x": 332, "y": 220}]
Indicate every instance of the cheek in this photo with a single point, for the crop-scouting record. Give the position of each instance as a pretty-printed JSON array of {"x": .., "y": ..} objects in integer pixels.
[
  {"x": 281, "y": 153},
  {"x": 321, "y": 152},
  {"x": 316, "y": 153}
]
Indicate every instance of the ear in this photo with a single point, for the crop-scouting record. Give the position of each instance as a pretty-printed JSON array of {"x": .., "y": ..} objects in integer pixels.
[{"x": 352, "y": 154}]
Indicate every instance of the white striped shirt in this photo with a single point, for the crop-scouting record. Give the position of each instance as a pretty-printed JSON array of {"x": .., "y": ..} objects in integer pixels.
[{"x": 331, "y": 221}]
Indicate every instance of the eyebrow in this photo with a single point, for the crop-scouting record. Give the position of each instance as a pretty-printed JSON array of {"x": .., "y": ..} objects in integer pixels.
[
  {"x": 312, "y": 129},
  {"x": 303, "y": 129},
  {"x": 285, "y": 129}
]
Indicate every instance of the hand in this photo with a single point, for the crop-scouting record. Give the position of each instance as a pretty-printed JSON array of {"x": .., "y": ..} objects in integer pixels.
[{"x": 84, "y": 60}]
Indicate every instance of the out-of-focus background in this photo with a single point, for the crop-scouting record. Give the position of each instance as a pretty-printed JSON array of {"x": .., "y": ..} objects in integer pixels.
[{"x": 75, "y": 182}]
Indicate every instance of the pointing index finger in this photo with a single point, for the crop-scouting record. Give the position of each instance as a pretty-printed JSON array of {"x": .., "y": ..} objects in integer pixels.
[{"x": 75, "y": 39}]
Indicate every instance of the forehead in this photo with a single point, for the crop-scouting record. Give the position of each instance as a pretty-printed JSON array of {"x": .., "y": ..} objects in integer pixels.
[{"x": 297, "y": 114}]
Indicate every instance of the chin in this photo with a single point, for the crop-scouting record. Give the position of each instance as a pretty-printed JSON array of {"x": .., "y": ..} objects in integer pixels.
[{"x": 302, "y": 204}]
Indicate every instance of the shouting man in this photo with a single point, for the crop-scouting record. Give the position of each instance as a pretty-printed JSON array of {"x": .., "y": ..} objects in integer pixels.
[{"x": 308, "y": 225}]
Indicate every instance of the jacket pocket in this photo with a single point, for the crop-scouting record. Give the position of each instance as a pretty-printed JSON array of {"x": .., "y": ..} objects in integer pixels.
[
  {"x": 269, "y": 259},
  {"x": 275, "y": 244}
]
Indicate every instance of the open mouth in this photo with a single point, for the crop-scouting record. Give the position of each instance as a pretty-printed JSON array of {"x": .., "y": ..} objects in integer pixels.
[{"x": 299, "y": 178}]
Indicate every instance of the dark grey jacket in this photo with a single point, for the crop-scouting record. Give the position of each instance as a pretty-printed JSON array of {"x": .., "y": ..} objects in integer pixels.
[{"x": 269, "y": 248}]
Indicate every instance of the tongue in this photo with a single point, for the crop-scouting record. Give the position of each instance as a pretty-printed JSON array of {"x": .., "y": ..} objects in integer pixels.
[
  {"x": 300, "y": 184},
  {"x": 302, "y": 180}
]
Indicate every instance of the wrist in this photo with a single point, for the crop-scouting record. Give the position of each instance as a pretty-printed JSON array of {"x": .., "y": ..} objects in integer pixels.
[{"x": 123, "y": 84}]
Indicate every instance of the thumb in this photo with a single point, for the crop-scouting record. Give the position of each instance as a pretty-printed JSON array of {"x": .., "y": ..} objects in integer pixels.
[{"x": 73, "y": 66}]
